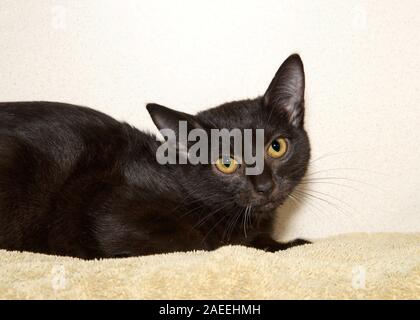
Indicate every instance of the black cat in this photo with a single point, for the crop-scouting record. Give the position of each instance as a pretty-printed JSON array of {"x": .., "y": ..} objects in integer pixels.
[{"x": 76, "y": 182}]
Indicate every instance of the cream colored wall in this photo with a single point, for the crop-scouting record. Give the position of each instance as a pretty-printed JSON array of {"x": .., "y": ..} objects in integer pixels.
[{"x": 362, "y": 62}]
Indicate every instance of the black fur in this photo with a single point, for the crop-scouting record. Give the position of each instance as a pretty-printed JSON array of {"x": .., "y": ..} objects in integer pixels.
[{"x": 76, "y": 182}]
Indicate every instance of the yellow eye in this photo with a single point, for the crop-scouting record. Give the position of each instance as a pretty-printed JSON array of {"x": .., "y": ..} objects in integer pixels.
[
  {"x": 227, "y": 165},
  {"x": 277, "y": 148}
]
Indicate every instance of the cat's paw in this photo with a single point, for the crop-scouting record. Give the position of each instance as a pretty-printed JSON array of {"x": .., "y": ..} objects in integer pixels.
[{"x": 298, "y": 242}]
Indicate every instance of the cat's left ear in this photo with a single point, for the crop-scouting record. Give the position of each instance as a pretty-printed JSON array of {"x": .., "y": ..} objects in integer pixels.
[
  {"x": 165, "y": 118},
  {"x": 287, "y": 89}
]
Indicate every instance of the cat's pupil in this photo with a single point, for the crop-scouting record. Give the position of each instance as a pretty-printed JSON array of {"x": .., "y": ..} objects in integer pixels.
[
  {"x": 226, "y": 162},
  {"x": 275, "y": 145}
]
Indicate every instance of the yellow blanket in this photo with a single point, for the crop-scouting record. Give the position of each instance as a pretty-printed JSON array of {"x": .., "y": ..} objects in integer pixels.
[{"x": 353, "y": 266}]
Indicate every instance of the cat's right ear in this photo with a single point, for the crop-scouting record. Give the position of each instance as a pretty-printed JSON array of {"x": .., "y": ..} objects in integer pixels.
[{"x": 165, "y": 118}]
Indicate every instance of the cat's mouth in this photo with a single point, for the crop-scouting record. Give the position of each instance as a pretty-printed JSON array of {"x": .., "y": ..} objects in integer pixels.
[
  {"x": 268, "y": 205},
  {"x": 265, "y": 204}
]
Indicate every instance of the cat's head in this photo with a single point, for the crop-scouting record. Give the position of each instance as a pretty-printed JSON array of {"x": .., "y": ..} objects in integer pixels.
[{"x": 285, "y": 151}]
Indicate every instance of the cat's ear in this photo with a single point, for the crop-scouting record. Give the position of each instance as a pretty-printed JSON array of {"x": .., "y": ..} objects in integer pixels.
[
  {"x": 175, "y": 126},
  {"x": 287, "y": 89},
  {"x": 165, "y": 118}
]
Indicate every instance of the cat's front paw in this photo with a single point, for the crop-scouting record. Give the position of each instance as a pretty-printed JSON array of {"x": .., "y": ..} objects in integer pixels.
[
  {"x": 298, "y": 242},
  {"x": 266, "y": 243}
]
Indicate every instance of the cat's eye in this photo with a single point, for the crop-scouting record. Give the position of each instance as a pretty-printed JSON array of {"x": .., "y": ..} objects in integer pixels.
[
  {"x": 277, "y": 148},
  {"x": 227, "y": 165}
]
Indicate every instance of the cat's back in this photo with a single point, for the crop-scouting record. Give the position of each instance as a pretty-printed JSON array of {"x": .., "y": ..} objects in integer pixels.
[
  {"x": 55, "y": 141},
  {"x": 57, "y": 130},
  {"x": 30, "y": 118}
]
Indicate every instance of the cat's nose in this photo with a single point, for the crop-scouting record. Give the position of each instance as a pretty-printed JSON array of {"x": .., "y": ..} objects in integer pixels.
[
  {"x": 263, "y": 183},
  {"x": 265, "y": 187}
]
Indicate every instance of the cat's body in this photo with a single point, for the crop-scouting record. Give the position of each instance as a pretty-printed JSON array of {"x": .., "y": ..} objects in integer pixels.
[{"x": 76, "y": 182}]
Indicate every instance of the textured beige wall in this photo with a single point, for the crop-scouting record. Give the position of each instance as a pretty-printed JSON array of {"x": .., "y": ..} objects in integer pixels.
[{"x": 362, "y": 62}]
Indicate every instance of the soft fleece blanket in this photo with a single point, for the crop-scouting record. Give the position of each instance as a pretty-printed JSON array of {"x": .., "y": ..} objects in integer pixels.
[{"x": 353, "y": 266}]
